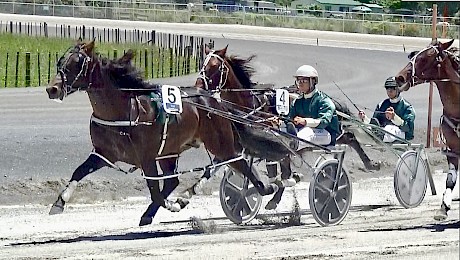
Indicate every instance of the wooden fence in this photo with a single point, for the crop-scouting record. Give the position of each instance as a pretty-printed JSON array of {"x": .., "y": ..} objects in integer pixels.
[{"x": 158, "y": 54}]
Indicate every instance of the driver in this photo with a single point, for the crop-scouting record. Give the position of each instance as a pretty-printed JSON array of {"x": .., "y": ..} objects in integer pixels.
[
  {"x": 395, "y": 114},
  {"x": 313, "y": 112}
]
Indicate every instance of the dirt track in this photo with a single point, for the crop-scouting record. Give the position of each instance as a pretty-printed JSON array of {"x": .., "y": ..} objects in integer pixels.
[{"x": 376, "y": 227}]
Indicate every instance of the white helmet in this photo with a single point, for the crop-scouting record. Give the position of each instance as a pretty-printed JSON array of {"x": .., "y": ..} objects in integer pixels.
[{"x": 306, "y": 71}]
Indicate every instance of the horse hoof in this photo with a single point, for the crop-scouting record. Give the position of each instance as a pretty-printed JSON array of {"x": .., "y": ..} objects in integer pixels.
[
  {"x": 441, "y": 214},
  {"x": 271, "y": 205},
  {"x": 182, "y": 202},
  {"x": 56, "y": 209},
  {"x": 373, "y": 166},
  {"x": 297, "y": 177},
  {"x": 145, "y": 221}
]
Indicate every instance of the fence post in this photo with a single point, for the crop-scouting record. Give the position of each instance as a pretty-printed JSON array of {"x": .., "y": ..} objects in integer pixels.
[
  {"x": 45, "y": 29},
  {"x": 38, "y": 69},
  {"x": 151, "y": 62},
  {"x": 146, "y": 63},
  {"x": 49, "y": 66},
  {"x": 17, "y": 70},
  {"x": 171, "y": 63},
  {"x": 115, "y": 54},
  {"x": 6, "y": 69},
  {"x": 27, "y": 78}
]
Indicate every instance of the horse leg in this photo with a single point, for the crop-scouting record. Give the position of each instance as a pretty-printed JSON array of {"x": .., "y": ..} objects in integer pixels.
[
  {"x": 157, "y": 196},
  {"x": 208, "y": 173},
  {"x": 243, "y": 167},
  {"x": 92, "y": 164},
  {"x": 286, "y": 181},
  {"x": 169, "y": 166},
  {"x": 349, "y": 139},
  {"x": 451, "y": 180}
]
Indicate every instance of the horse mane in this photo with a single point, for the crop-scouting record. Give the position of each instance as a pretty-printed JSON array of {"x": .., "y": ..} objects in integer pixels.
[
  {"x": 242, "y": 69},
  {"x": 124, "y": 74}
]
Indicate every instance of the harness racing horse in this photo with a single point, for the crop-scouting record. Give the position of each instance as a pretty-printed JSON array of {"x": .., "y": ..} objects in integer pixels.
[
  {"x": 127, "y": 126},
  {"x": 440, "y": 63},
  {"x": 231, "y": 78}
]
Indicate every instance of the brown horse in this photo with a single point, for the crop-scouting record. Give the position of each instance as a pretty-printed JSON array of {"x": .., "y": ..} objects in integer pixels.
[
  {"x": 231, "y": 77},
  {"x": 440, "y": 63},
  {"x": 127, "y": 126}
]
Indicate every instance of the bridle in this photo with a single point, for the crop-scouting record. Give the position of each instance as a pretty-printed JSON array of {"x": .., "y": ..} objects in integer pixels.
[
  {"x": 440, "y": 58},
  {"x": 223, "y": 69},
  {"x": 62, "y": 67}
]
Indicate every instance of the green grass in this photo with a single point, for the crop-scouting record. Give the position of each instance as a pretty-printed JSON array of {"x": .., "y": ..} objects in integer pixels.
[{"x": 153, "y": 61}]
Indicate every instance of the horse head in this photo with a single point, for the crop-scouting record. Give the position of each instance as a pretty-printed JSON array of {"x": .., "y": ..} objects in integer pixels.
[
  {"x": 213, "y": 75},
  {"x": 74, "y": 70},
  {"x": 434, "y": 62}
]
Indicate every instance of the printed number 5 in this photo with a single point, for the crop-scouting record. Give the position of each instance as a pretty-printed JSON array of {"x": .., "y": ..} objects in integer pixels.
[{"x": 171, "y": 97}]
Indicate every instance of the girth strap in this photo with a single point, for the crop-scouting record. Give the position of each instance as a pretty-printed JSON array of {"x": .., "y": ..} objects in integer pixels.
[{"x": 451, "y": 124}]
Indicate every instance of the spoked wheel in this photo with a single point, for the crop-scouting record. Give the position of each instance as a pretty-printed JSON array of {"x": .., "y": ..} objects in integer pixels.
[
  {"x": 410, "y": 180},
  {"x": 330, "y": 197},
  {"x": 239, "y": 199}
]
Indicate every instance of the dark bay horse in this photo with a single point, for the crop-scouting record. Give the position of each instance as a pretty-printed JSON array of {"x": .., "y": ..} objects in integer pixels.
[
  {"x": 227, "y": 76},
  {"x": 126, "y": 126},
  {"x": 439, "y": 62},
  {"x": 230, "y": 76}
]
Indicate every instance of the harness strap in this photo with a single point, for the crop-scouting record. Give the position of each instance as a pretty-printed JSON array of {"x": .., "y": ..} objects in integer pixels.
[
  {"x": 451, "y": 124},
  {"x": 116, "y": 167},
  {"x": 164, "y": 135}
]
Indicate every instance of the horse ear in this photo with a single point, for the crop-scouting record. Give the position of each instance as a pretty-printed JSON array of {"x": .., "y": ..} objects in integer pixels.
[
  {"x": 222, "y": 52},
  {"x": 207, "y": 50},
  {"x": 79, "y": 41},
  {"x": 127, "y": 57},
  {"x": 89, "y": 47},
  {"x": 446, "y": 45}
]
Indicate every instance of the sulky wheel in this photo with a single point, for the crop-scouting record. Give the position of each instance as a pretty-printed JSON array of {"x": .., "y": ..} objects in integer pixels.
[
  {"x": 239, "y": 199},
  {"x": 329, "y": 197},
  {"x": 410, "y": 181}
]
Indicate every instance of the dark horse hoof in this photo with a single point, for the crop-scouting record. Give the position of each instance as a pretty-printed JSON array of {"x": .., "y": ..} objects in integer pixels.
[
  {"x": 373, "y": 166},
  {"x": 145, "y": 221},
  {"x": 58, "y": 207},
  {"x": 182, "y": 202}
]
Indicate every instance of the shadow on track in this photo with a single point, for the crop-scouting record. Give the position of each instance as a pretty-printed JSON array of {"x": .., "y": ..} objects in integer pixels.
[{"x": 437, "y": 227}]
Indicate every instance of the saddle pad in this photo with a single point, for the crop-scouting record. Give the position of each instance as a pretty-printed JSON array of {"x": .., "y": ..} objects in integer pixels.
[{"x": 157, "y": 104}]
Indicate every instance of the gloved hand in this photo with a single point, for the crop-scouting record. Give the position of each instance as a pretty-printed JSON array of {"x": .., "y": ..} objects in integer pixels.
[
  {"x": 397, "y": 120},
  {"x": 361, "y": 114}
]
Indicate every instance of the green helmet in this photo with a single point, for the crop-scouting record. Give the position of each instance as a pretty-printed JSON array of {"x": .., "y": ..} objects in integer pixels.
[{"x": 391, "y": 83}]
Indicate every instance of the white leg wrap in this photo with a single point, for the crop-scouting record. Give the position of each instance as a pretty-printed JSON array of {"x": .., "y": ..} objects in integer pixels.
[
  {"x": 447, "y": 197},
  {"x": 68, "y": 191},
  {"x": 172, "y": 206},
  {"x": 199, "y": 186}
]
